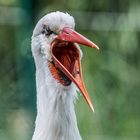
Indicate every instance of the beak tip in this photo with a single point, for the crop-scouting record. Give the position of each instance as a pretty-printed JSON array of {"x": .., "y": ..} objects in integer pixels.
[
  {"x": 97, "y": 47},
  {"x": 92, "y": 109}
]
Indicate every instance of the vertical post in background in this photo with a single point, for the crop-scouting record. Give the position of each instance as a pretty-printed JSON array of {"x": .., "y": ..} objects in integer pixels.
[
  {"x": 23, "y": 41},
  {"x": 25, "y": 66}
]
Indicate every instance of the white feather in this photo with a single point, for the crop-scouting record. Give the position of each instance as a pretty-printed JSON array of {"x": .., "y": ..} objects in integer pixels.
[{"x": 56, "y": 119}]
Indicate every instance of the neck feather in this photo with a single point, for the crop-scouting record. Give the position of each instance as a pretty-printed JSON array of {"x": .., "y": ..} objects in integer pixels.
[{"x": 56, "y": 119}]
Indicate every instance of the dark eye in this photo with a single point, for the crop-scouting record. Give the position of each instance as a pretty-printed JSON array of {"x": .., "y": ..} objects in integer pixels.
[{"x": 46, "y": 30}]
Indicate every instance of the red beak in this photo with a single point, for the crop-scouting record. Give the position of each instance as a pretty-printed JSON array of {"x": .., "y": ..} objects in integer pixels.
[{"x": 69, "y": 35}]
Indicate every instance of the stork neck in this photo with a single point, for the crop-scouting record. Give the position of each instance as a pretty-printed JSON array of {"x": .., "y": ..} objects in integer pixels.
[{"x": 56, "y": 119}]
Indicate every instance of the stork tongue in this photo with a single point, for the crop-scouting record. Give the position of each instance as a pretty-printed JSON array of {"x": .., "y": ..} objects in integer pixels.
[{"x": 70, "y": 35}]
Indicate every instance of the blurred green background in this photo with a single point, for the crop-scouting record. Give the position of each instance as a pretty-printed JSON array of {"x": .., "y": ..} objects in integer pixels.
[{"x": 111, "y": 74}]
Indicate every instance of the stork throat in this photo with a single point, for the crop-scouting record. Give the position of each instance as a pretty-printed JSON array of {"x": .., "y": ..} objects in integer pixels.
[
  {"x": 66, "y": 53},
  {"x": 59, "y": 75}
]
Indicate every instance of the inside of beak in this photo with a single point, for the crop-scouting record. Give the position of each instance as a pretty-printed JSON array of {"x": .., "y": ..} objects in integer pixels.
[{"x": 66, "y": 67}]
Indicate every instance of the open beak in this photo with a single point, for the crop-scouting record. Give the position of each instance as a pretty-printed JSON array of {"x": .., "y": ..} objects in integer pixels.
[{"x": 69, "y": 35}]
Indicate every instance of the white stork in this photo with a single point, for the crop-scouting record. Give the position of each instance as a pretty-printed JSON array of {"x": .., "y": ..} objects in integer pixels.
[{"x": 58, "y": 69}]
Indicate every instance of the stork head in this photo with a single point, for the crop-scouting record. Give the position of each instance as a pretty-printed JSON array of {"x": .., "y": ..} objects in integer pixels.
[{"x": 55, "y": 39}]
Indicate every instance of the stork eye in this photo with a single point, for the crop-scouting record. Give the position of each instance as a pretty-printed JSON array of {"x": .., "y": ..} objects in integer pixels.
[{"x": 46, "y": 30}]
